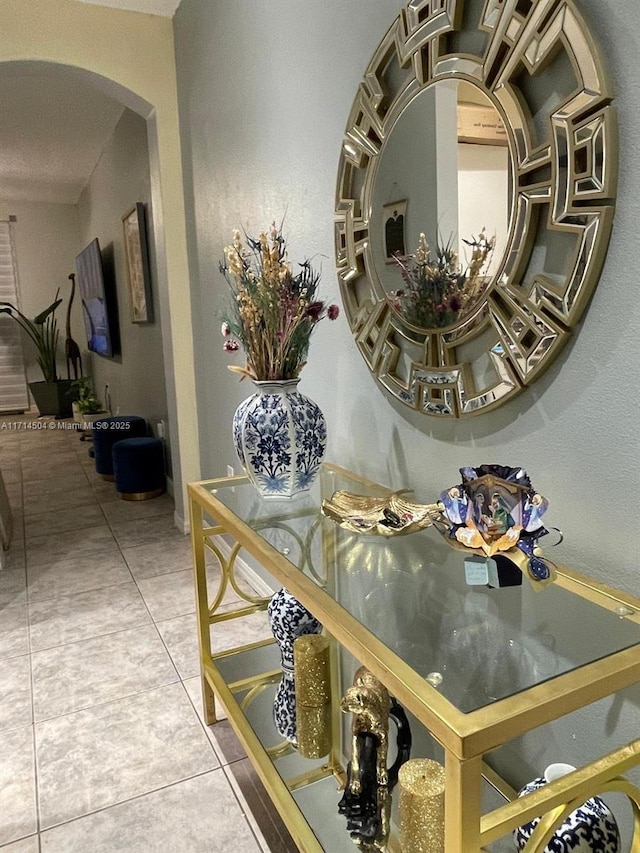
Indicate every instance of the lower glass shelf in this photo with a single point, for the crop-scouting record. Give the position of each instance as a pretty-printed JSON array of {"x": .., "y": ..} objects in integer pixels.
[{"x": 252, "y": 674}]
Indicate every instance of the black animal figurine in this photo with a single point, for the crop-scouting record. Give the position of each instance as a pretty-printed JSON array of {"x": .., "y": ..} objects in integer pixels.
[{"x": 366, "y": 801}]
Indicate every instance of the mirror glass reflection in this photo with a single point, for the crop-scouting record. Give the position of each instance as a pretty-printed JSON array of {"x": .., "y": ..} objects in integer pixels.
[{"x": 444, "y": 172}]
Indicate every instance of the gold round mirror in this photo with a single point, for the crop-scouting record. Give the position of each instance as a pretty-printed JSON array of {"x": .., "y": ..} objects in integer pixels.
[{"x": 474, "y": 199}]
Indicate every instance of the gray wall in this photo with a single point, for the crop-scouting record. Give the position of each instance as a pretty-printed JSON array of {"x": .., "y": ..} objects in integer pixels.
[
  {"x": 119, "y": 180},
  {"x": 265, "y": 90}
]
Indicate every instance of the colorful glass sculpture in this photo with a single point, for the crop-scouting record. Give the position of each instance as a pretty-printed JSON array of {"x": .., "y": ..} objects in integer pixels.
[{"x": 495, "y": 509}]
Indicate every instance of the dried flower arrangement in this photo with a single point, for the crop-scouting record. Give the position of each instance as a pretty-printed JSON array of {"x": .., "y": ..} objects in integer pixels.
[
  {"x": 273, "y": 311},
  {"x": 439, "y": 291}
]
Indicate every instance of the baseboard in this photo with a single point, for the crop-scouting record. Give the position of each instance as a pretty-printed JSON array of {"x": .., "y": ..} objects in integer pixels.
[
  {"x": 169, "y": 483},
  {"x": 181, "y": 523},
  {"x": 245, "y": 570}
]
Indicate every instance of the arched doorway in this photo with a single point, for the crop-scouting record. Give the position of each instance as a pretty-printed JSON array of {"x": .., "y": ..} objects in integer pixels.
[{"x": 129, "y": 57}]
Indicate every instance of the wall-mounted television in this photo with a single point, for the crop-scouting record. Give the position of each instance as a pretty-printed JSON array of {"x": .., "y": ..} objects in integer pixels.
[{"x": 96, "y": 285}]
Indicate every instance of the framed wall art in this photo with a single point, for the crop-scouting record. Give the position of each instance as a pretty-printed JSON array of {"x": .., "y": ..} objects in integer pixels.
[{"x": 137, "y": 258}]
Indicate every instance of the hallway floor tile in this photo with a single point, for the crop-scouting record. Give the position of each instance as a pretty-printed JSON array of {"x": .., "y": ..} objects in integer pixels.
[{"x": 102, "y": 744}]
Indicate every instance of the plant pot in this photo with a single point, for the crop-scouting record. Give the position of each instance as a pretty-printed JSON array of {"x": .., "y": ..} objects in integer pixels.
[
  {"x": 86, "y": 421},
  {"x": 89, "y": 420},
  {"x": 53, "y": 398},
  {"x": 280, "y": 437}
]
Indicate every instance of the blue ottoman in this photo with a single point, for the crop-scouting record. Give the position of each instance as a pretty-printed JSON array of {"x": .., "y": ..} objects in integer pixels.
[
  {"x": 106, "y": 432},
  {"x": 138, "y": 466}
]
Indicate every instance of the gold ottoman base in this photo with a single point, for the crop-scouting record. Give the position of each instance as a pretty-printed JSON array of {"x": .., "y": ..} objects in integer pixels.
[{"x": 141, "y": 496}]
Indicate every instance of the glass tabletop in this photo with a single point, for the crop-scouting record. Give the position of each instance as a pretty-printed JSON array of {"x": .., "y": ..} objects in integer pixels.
[{"x": 479, "y": 644}]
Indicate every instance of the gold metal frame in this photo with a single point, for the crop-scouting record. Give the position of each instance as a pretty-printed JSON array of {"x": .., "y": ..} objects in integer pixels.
[
  {"x": 563, "y": 186},
  {"x": 213, "y": 683},
  {"x": 466, "y": 738}
]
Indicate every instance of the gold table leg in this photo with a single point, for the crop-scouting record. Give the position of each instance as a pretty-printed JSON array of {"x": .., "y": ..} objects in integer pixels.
[
  {"x": 462, "y": 804},
  {"x": 202, "y": 608}
]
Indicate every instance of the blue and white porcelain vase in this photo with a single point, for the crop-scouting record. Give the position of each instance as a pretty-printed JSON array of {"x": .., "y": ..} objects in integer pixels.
[
  {"x": 280, "y": 437},
  {"x": 288, "y": 620},
  {"x": 590, "y": 829}
]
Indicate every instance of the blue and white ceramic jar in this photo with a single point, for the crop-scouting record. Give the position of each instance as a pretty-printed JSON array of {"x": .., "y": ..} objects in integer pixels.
[
  {"x": 280, "y": 437},
  {"x": 288, "y": 620},
  {"x": 590, "y": 829}
]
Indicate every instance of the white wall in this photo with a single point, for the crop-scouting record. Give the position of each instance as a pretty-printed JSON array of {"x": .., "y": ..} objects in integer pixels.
[
  {"x": 483, "y": 192},
  {"x": 119, "y": 180},
  {"x": 46, "y": 238},
  {"x": 264, "y": 94}
]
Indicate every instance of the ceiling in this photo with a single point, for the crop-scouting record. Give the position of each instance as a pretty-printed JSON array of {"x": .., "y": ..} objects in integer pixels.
[
  {"x": 154, "y": 7},
  {"x": 55, "y": 125},
  {"x": 54, "y": 128}
]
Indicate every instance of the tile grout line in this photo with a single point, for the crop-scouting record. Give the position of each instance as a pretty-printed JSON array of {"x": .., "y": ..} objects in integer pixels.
[
  {"x": 223, "y": 763},
  {"x": 36, "y": 789},
  {"x": 249, "y": 818},
  {"x": 140, "y": 796},
  {"x": 38, "y": 816},
  {"x": 203, "y": 726},
  {"x": 153, "y": 621}
]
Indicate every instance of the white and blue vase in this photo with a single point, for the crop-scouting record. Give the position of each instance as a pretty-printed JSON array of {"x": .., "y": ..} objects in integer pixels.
[
  {"x": 280, "y": 437},
  {"x": 590, "y": 829},
  {"x": 288, "y": 620}
]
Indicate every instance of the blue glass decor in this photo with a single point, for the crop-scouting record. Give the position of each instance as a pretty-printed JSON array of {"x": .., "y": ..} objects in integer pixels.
[
  {"x": 280, "y": 437},
  {"x": 288, "y": 620},
  {"x": 591, "y": 828},
  {"x": 494, "y": 510}
]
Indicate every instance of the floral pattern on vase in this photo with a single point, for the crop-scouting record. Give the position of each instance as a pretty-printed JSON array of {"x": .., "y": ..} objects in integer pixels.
[
  {"x": 591, "y": 828},
  {"x": 288, "y": 620},
  {"x": 280, "y": 437}
]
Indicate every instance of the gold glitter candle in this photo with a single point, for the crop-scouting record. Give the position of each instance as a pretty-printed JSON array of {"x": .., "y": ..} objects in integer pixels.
[
  {"x": 421, "y": 806},
  {"x": 313, "y": 730},
  {"x": 313, "y": 695},
  {"x": 311, "y": 667}
]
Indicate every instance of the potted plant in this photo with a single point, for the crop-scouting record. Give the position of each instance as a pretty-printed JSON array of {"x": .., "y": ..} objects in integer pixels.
[
  {"x": 52, "y": 395},
  {"x": 86, "y": 406}
]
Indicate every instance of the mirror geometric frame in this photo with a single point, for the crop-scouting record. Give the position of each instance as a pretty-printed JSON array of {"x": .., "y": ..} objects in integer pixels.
[{"x": 537, "y": 63}]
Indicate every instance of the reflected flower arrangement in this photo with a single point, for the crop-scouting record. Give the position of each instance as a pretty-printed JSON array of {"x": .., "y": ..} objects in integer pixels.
[
  {"x": 496, "y": 509},
  {"x": 439, "y": 290}
]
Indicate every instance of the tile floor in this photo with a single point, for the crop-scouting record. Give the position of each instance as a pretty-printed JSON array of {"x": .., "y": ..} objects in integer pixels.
[{"x": 102, "y": 747}]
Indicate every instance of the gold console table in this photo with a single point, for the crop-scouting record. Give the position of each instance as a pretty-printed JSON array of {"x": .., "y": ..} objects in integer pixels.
[{"x": 506, "y": 661}]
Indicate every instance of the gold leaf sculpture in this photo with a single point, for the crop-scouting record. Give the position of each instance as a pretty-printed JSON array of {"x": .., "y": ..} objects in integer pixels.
[{"x": 389, "y": 515}]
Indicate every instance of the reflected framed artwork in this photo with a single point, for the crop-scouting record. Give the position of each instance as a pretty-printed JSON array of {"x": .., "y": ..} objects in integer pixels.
[
  {"x": 137, "y": 259},
  {"x": 394, "y": 216}
]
